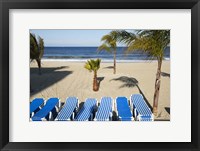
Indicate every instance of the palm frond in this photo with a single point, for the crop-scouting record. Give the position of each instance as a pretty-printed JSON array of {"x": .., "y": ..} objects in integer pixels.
[
  {"x": 152, "y": 42},
  {"x": 109, "y": 42},
  {"x": 36, "y": 47},
  {"x": 122, "y": 36},
  {"x": 41, "y": 47},
  {"x": 87, "y": 66},
  {"x": 107, "y": 38},
  {"x": 97, "y": 64},
  {"x": 33, "y": 47},
  {"x": 105, "y": 47},
  {"x": 92, "y": 65}
]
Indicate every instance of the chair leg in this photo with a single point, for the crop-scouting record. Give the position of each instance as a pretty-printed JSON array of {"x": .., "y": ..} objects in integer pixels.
[
  {"x": 110, "y": 117},
  {"x": 73, "y": 115},
  {"x": 50, "y": 116},
  {"x": 32, "y": 114},
  {"x": 136, "y": 116},
  {"x": 91, "y": 117}
]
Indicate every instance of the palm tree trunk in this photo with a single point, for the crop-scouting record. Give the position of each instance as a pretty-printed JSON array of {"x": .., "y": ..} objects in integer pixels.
[
  {"x": 39, "y": 65},
  {"x": 157, "y": 88},
  {"x": 95, "y": 85},
  {"x": 114, "y": 67}
]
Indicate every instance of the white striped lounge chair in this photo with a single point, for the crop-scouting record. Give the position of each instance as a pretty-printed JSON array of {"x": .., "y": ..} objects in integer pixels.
[
  {"x": 87, "y": 111},
  {"x": 104, "y": 112},
  {"x": 68, "y": 110},
  {"x": 141, "y": 109}
]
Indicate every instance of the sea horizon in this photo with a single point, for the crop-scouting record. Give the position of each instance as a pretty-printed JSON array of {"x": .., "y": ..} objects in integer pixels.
[
  {"x": 79, "y": 54},
  {"x": 102, "y": 60}
]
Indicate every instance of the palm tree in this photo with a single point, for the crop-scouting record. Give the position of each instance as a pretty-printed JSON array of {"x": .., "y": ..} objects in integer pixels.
[
  {"x": 36, "y": 50},
  {"x": 93, "y": 65},
  {"x": 152, "y": 42},
  {"x": 110, "y": 45}
]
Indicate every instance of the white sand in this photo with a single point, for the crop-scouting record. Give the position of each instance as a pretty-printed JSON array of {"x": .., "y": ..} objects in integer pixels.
[{"x": 62, "y": 79}]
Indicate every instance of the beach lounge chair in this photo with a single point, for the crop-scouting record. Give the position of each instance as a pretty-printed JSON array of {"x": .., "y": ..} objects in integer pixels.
[
  {"x": 87, "y": 111},
  {"x": 67, "y": 111},
  {"x": 50, "y": 108},
  {"x": 104, "y": 112},
  {"x": 36, "y": 105},
  {"x": 123, "y": 110},
  {"x": 141, "y": 110}
]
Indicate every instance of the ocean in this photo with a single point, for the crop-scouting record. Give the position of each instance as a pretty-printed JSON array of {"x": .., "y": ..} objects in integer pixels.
[{"x": 85, "y": 53}]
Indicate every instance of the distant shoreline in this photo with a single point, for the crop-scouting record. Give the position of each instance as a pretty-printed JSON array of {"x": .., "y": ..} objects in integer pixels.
[{"x": 103, "y": 60}]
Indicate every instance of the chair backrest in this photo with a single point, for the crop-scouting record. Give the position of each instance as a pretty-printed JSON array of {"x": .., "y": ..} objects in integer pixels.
[
  {"x": 123, "y": 109},
  {"x": 66, "y": 112},
  {"x": 49, "y": 106},
  {"x": 87, "y": 109},
  {"x": 105, "y": 109},
  {"x": 122, "y": 102},
  {"x": 35, "y": 104},
  {"x": 140, "y": 105}
]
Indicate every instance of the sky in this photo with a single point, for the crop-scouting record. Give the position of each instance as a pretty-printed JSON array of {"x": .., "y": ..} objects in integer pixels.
[{"x": 71, "y": 38}]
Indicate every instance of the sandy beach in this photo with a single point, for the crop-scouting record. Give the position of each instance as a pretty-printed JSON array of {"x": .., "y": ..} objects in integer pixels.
[{"x": 62, "y": 79}]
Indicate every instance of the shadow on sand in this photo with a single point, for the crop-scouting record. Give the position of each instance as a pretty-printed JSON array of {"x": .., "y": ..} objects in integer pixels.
[
  {"x": 48, "y": 77},
  {"x": 34, "y": 70},
  {"x": 109, "y": 67},
  {"x": 99, "y": 79},
  {"x": 131, "y": 82},
  {"x": 164, "y": 74},
  {"x": 127, "y": 81}
]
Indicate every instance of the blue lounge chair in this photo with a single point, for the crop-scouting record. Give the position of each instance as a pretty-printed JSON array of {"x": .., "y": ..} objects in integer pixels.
[
  {"x": 36, "y": 105},
  {"x": 67, "y": 112},
  {"x": 86, "y": 112},
  {"x": 141, "y": 109},
  {"x": 46, "y": 113},
  {"x": 104, "y": 112},
  {"x": 123, "y": 109}
]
